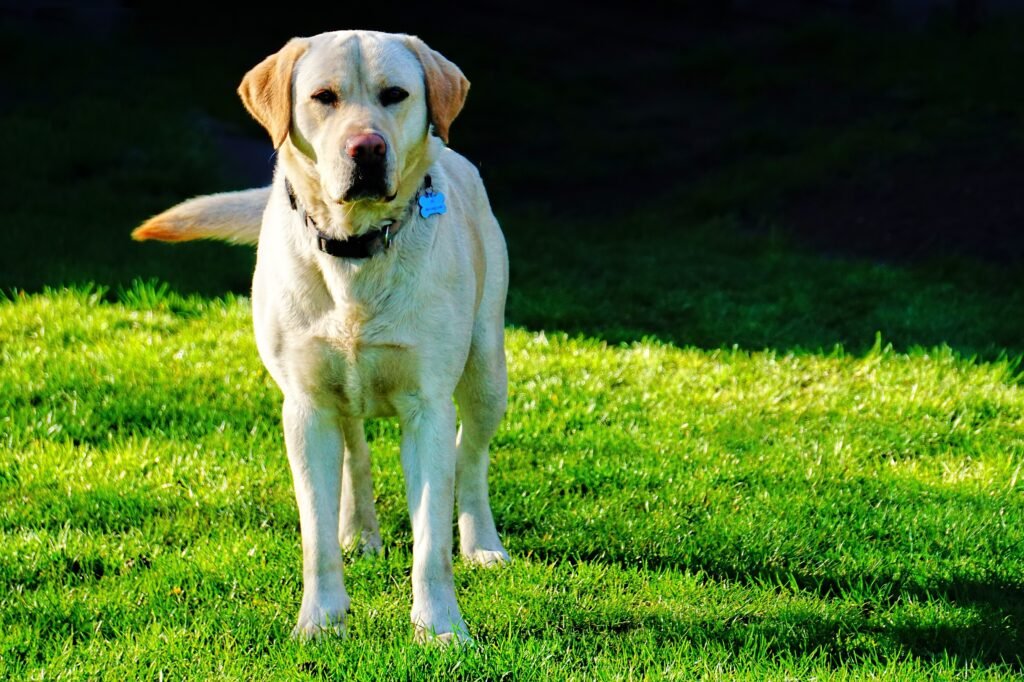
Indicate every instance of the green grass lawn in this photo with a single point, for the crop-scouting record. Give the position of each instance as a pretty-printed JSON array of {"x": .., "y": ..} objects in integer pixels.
[
  {"x": 726, "y": 455},
  {"x": 671, "y": 512}
]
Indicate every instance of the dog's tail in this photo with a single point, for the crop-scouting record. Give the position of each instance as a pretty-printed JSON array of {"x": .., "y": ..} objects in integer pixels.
[{"x": 231, "y": 216}]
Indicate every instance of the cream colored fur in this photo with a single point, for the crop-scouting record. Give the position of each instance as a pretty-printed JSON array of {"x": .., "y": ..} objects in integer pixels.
[
  {"x": 231, "y": 216},
  {"x": 398, "y": 334}
]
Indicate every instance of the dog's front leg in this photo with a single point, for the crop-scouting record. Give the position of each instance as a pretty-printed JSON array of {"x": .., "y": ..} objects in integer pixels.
[
  {"x": 314, "y": 451},
  {"x": 428, "y": 462}
]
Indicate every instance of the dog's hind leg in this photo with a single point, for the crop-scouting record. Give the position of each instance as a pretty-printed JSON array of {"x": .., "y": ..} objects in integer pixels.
[
  {"x": 357, "y": 529},
  {"x": 481, "y": 395}
]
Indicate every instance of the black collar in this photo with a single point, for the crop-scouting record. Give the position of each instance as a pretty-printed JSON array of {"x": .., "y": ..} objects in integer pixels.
[{"x": 362, "y": 246}]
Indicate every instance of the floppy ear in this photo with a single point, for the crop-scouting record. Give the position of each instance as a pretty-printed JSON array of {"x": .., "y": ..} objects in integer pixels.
[
  {"x": 266, "y": 90},
  {"x": 446, "y": 86}
]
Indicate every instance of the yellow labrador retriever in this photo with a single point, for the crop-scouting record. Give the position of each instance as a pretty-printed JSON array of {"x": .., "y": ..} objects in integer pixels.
[{"x": 379, "y": 290}]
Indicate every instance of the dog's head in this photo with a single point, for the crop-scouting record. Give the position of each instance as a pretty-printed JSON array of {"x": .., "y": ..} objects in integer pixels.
[{"x": 357, "y": 106}]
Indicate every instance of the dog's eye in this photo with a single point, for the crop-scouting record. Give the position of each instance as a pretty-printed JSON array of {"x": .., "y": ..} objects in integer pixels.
[
  {"x": 325, "y": 96},
  {"x": 389, "y": 96}
]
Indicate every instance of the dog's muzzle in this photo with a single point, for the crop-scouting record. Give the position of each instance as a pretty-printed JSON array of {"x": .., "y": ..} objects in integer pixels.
[{"x": 368, "y": 152}]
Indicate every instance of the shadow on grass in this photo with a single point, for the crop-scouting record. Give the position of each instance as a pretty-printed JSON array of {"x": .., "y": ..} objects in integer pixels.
[
  {"x": 716, "y": 284},
  {"x": 989, "y": 614}
]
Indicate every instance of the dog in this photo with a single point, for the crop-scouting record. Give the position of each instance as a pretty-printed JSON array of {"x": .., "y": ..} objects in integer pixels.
[{"x": 379, "y": 290}]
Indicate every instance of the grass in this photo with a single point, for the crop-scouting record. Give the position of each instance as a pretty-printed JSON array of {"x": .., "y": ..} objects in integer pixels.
[
  {"x": 672, "y": 512},
  {"x": 726, "y": 456}
]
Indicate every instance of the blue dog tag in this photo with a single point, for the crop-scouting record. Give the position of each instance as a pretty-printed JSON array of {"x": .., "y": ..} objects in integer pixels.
[{"x": 432, "y": 203}]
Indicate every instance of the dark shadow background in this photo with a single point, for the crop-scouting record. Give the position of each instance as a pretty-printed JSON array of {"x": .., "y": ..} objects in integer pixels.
[{"x": 786, "y": 175}]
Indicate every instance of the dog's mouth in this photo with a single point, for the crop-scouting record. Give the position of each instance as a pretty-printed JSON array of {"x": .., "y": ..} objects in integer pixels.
[
  {"x": 367, "y": 194},
  {"x": 369, "y": 183}
]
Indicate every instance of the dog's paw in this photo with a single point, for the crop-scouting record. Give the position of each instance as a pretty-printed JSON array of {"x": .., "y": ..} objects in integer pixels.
[
  {"x": 310, "y": 631},
  {"x": 370, "y": 544},
  {"x": 316, "y": 622},
  {"x": 459, "y": 637},
  {"x": 438, "y": 622},
  {"x": 364, "y": 544},
  {"x": 487, "y": 557}
]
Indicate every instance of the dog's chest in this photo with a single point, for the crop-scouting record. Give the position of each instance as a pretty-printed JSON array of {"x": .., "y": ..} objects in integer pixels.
[{"x": 361, "y": 367}]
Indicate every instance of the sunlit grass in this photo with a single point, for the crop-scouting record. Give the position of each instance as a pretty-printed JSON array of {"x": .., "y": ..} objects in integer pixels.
[{"x": 671, "y": 512}]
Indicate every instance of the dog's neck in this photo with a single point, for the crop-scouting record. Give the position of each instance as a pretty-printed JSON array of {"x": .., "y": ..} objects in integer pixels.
[{"x": 344, "y": 220}]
